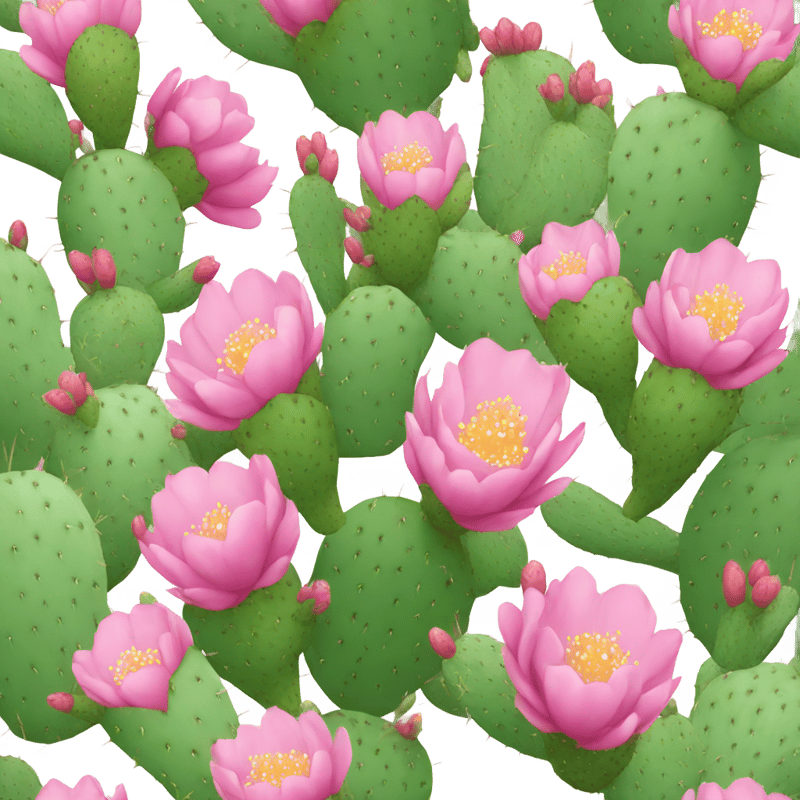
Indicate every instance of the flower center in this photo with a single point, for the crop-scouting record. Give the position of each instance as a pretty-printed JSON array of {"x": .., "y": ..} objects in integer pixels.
[
  {"x": 411, "y": 158},
  {"x": 734, "y": 25},
  {"x": 495, "y": 434},
  {"x": 240, "y": 343},
  {"x": 132, "y": 660},
  {"x": 720, "y": 309},
  {"x": 595, "y": 657},
  {"x": 571, "y": 263},
  {"x": 214, "y": 524},
  {"x": 274, "y": 767},
  {"x": 51, "y": 5}
]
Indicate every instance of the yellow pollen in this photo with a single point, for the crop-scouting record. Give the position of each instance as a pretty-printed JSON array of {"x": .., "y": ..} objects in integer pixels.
[
  {"x": 720, "y": 309},
  {"x": 495, "y": 434},
  {"x": 274, "y": 767},
  {"x": 240, "y": 343},
  {"x": 410, "y": 159},
  {"x": 595, "y": 657},
  {"x": 214, "y": 524},
  {"x": 133, "y": 660},
  {"x": 51, "y": 5},
  {"x": 571, "y": 263},
  {"x": 734, "y": 25}
]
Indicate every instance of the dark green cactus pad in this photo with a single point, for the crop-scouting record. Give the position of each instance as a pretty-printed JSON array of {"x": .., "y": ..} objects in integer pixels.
[
  {"x": 53, "y": 595},
  {"x": 477, "y": 678},
  {"x": 436, "y": 691},
  {"x": 18, "y": 781},
  {"x": 374, "y": 344},
  {"x": 497, "y": 558},
  {"x": 384, "y": 765},
  {"x": 118, "y": 466},
  {"x": 680, "y": 175},
  {"x": 393, "y": 577},
  {"x": 175, "y": 747},
  {"x": 120, "y": 201},
  {"x": 33, "y": 356},
  {"x": 587, "y": 519},
  {"x": 206, "y": 447},
  {"x": 102, "y": 77},
  {"x": 41, "y": 136},
  {"x": 356, "y": 66},
  {"x": 256, "y": 645},
  {"x": 638, "y": 29},
  {"x": 472, "y": 291},
  {"x": 709, "y": 670},
  {"x": 116, "y": 336},
  {"x": 747, "y": 721},
  {"x": 746, "y": 508},
  {"x": 9, "y": 15}
]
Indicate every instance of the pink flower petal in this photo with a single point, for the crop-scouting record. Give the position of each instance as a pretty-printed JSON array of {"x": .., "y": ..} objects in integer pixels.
[
  {"x": 148, "y": 687},
  {"x": 227, "y": 162},
  {"x": 160, "y": 97},
  {"x": 246, "y": 218},
  {"x": 250, "y": 188}
]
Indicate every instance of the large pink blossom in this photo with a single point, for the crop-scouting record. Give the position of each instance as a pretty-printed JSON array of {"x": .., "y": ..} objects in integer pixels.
[
  {"x": 728, "y": 48},
  {"x": 293, "y": 15},
  {"x": 740, "y": 789},
  {"x": 87, "y": 788},
  {"x": 282, "y": 757},
  {"x": 566, "y": 264},
  {"x": 401, "y": 157},
  {"x": 133, "y": 657},
  {"x": 717, "y": 314},
  {"x": 554, "y": 655},
  {"x": 55, "y": 25},
  {"x": 487, "y": 442},
  {"x": 221, "y": 534},
  {"x": 240, "y": 349},
  {"x": 206, "y": 117}
]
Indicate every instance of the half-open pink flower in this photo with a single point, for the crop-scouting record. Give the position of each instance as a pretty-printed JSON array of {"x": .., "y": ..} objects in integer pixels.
[
  {"x": 206, "y": 117},
  {"x": 716, "y": 313},
  {"x": 240, "y": 349},
  {"x": 740, "y": 789},
  {"x": 133, "y": 657},
  {"x": 586, "y": 664},
  {"x": 728, "y": 43},
  {"x": 297, "y": 756},
  {"x": 401, "y": 157},
  {"x": 566, "y": 264},
  {"x": 87, "y": 788},
  {"x": 55, "y": 25},
  {"x": 487, "y": 442},
  {"x": 293, "y": 15},
  {"x": 222, "y": 534}
]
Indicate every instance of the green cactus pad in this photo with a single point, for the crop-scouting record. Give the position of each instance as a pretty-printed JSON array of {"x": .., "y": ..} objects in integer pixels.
[
  {"x": 709, "y": 670},
  {"x": 53, "y": 595},
  {"x": 436, "y": 691},
  {"x": 455, "y": 205},
  {"x": 206, "y": 447},
  {"x": 376, "y": 339},
  {"x": 177, "y": 291},
  {"x": 175, "y": 747},
  {"x": 180, "y": 168},
  {"x": 102, "y": 77},
  {"x": 9, "y": 15},
  {"x": 359, "y": 276},
  {"x": 116, "y": 336},
  {"x": 18, "y": 781},
  {"x": 497, "y": 558},
  {"x": 120, "y": 201},
  {"x": 637, "y": 29},
  {"x": 385, "y": 766},
  {"x": 393, "y": 577},
  {"x": 40, "y": 136}
]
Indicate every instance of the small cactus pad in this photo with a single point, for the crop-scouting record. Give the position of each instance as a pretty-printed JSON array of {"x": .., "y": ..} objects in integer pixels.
[
  {"x": 637, "y": 29},
  {"x": 18, "y": 781}
]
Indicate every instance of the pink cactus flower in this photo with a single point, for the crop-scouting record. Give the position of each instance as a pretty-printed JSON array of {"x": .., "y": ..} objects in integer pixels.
[
  {"x": 223, "y": 372},
  {"x": 220, "y": 535},
  {"x": 400, "y": 158},
  {"x": 296, "y": 756},
  {"x": 507, "y": 38},
  {"x": 488, "y": 440},
  {"x": 327, "y": 159},
  {"x": 87, "y": 788},
  {"x": 717, "y": 314},
  {"x": 588, "y": 665},
  {"x": 55, "y": 25},
  {"x": 292, "y": 16},
  {"x": 206, "y": 117},
  {"x": 740, "y": 789},
  {"x": 566, "y": 264},
  {"x": 133, "y": 657},
  {"x": 729, "y": 44},
  {"x": 734, "y": 584},
  {"x": 585, "y": 89}
]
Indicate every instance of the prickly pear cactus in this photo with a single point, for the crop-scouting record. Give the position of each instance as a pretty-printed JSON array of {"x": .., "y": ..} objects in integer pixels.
[
  {"x": 18, "y": 781},
  {"x": 637, "y": 29}
]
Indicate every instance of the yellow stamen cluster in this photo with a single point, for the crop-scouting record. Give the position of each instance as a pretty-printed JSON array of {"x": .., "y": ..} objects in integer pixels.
[
  {"x": 571, "y": 263},
  {"x": 214, "y": 524},
  {"x": 274, "y": 767},
  {"x": 734, "y": 25},
  {"x": 495, "y": 434},
  {"x": 595, "y": 657},
  {"x": 132, "y": 660},
  {"x": 411, "y": 158},
  {"x": 721, "y": 309},
  {"x": 241, "y": 342},
  {"x": 51, "y": 5}
]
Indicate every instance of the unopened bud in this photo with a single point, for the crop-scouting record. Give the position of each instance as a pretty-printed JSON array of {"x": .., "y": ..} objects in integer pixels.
[
  {"x": 18, "y": 235},
  {"x": 517, "y": 237},
  {"x": 766, "y": 590},
  {"x": 40, "y": 465},
  {"x": 303, "y": 148},
  {"x": 139, "y": 527},
  {"x": 533, "y": 577},
  {"x": 205, "y": 270},
  {"x": 442, "y": 643},
  {"x": 358, "y": 219},
  {"x": 60, "y": 401},
  {"x": 104, "y": 268},
  {"x": 552, "y": 89},
  {"x": 409, "y": 728},
  {"x": 484, "y": 65},
  {"x": 72, "y": 383},
  {"x": 76, "y": 126},
  {"x": 329, "y": 165},
  {"x": 320, "y": 591},
  {"x": 354, "y": 249},
  {"x": 81, "y": 265},
  {"x": 733, "y": 584},
  {"x": 61, "y": 701},
  {"x": 367, "y": 261},
  {"x": 318, "y": 144},
  {"x": 758, "y": 570},
  {"x": 178, "y": 431}
]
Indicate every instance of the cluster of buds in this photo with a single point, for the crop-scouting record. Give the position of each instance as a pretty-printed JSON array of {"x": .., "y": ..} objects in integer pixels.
[
  {"x": 314, "y": 156},
  {"x": 98, "y": 267},
  {"x": 76, "y": 126},
  {"x": 508, "y": 39},
  {"x": 358, "y": 219},
  {"x": 355, "y": 250},
  {"x": 533, "y": 576},
  {"x": 72, "y": 393},
  {"x": 205, "y": 270},
  {"x": 765, "y": 587},
  {"x": 585, "y": 89},
  {"x": 320, "y": 592},
  {"x": 18, "y": 235},
  {"x": 552, "y": 89}
]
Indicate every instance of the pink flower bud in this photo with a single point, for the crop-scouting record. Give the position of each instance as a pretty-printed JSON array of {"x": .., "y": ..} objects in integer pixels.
[
  {"x": 40, "y": 465},
  {"x": 139, "y": 527},
  {"x": 660, "y": 90},
  {"x": 357, "y": 219},
  {"x": 367, "y": 261},
  {"x": 484, "y": 65},
  {"x": 584, "y": 88},
  {"x": 533, "y": 576},
  {"x": 72, "y": 383},
  {"x": 178, "y": 431},
  {"x": 89, "y": 389},
  {"x": 733, "y": 584},
  {"x": 205, "y": 270},
  {"x": 320, "y": 591},
  {"x": 60, "y": 401},
  {"x": 76, "y": 126},
  {"x": 329, "y": 165},
  {"x": 766, "y": 589},
  {"x": 409, "y": 727},
  {"x": 318, "y": 144},
  {"x": 508, "y": 38},
  {"x": 104, "y": 268},
  {"x": 758, "y": 570},
  {"x": 303, "y": 148},
  {"x": 354, "y": 249},
  {"x": 61, "y": 701},
  {"x": 18, "y": 235},
  {"x": 442, "y": 643},
  {"x": 601, "y": 100},
  {"x": 81, "y": 265},
  {"x": 517, "y": 237},
  {"x": 552, "y": 89}
]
